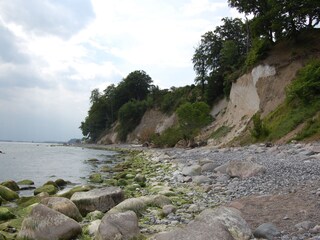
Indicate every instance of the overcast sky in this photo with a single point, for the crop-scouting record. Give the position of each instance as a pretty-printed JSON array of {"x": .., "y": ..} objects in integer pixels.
[{"x": 54, "y": 52}]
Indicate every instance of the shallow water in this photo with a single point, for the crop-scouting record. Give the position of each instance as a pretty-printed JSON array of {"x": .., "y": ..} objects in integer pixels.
[{"x": 42, "y": 162}]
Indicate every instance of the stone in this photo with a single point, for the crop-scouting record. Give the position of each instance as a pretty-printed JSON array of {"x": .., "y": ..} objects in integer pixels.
[
  {"x": 61, "y": 183},
  {"x": 122, "y": 225},
  {"x": 266, "y": 231},
  {"x": 7, "y": 194},
  {"x": 96, "y": 178},
  {"x": 140, "y": 178},
  {"x": 64, "y": 206},
  {"x": 209, "y": 167},
  {"x": 221, "y": 169},
  {"x": 167, "y": 209},
  {"x": 5, "y": 214},
  {"x": 244, "y": 169},
  {"x": 101, "y": 199},
  {"x": 70, "y": 192},
  {"x": 201, "y": 179},
  {"x": 93, "y": 227},
  {"x": 50, "y": 189},
  {"x": 11, "y": 185},
  {"x": 212, "y": 224},
  {"x": 305, "y": 225},
  {"x": 47, "y": 224},
  {"x": 26, "y": 182},
  {"x": 95, "y": 215},
  {"x": 193, "y": 170}
]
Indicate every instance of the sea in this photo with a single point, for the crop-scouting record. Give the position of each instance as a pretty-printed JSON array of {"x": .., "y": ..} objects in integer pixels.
[{"x": 41, "y": 162}]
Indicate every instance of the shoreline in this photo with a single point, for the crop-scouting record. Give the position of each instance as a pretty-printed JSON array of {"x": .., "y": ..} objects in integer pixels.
[{"x": 194, "y": 180}]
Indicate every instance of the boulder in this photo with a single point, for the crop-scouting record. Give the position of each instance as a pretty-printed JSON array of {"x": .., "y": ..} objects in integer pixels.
[
  {"x": 11, "y": 185},
  {"x": 209, "y": 167},
  {"x": 50, "y": 189},
  {"x": 5, "y": 214},
  {"x": 266, "y": 231},
  {"x": 141, "y": 203},
  {"x": 96, "y": 178},
  {"x": 212, "y": 224},
  {"x": 47, "y": 224},
  {"x": 64, "y": 206},
  {"x": 61, "y": 183},
  {"x": 118, "y": 226},
  {"x": 7, "y": 194},
  {"x": 201, "y": 179},
  {"x": 69, "y": 193},
  {"x": 193, "y": 170},
  {"x": 101, "y": 199},
  {"x": 26, "y": 182},
  {"x": 244, "y": 169}
]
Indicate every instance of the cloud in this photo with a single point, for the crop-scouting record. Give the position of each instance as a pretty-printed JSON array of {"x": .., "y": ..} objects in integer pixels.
[
  {"x": 57, "y": 17},
  {"x": 9, "y": 48}
]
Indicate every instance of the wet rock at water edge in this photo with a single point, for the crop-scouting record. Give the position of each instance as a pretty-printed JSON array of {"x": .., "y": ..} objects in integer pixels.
[{"x": 101, "y": 199}]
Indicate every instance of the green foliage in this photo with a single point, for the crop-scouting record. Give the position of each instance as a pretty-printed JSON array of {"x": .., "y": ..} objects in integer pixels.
[
  {"x": 221, "y": 132},
  {"x": 306, "y": 86},
  {"x": 193, "y": 116},
  {"x": 311, "y": 128},
  {"x": 169, "y": 138},
  {"x": 105, "y": 106},
  {"x": 257, "y": 52},
  {"x": 259, "y": 130},
  {"x": 129, "y": 117}
]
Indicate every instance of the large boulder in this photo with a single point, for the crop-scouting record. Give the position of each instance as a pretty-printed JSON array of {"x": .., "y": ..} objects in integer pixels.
[
  {"x": 47, "y": 224},
  {"x": 11, "y": 185},
  {"x": 101, "y": 199},
  {"x": 7, "y": 194},
  {"x": 5, "y": 214},
  {"x": 50, "y": 189},
  {"x": 244, "y": 169},
  {"x": 70, "y": 192},
  {"x": 118, "y": 226},
  {"x": 212, "y": 224},
  {"x": 64, "y": 206}
]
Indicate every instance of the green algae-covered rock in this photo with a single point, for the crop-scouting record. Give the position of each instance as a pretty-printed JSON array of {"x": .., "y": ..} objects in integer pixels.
[
  {"x": 61, "y": 183},
  {"x": 7, "y": 194},
  {"x": 51, "y": 183},
  {"x": 11, "y": 185},
  {"x": 26, "y": 182},
  {"x": 69, "y": 193},
  {"x": 50, "y": 189},
  {"x": 96, "y": 178},
  {"x": 5, "y": 214}
]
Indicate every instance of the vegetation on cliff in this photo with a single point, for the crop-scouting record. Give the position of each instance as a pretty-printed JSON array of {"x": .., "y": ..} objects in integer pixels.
[{"x": 221, "y": 56}]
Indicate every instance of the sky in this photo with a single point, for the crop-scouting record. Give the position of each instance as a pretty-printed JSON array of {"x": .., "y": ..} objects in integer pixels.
[{"x": 53, "y": 53}]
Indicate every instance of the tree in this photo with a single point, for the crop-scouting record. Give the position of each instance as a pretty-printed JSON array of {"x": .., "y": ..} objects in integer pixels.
[{"x": 193, "y": 116}]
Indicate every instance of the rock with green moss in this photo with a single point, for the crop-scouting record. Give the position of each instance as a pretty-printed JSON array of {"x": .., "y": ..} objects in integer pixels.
[
  {"x": 105, "y": 168},
  {"x": 96, "y": 178},
  {"x": 5, "y": 214},
  {"x": 70, "y": 192},
  {"x": 11, "y": 185},
  {"x": 2, "y": 237},
  {"x": 26, "y": 182},
  {"x": 95, "y": 215},
  {"x": 140, "y": 178},
  {"x": 7, "y": 194},
  {"x": 51, "y": 183},
  {"x": 122, "y": 182},
  {"x": 50, "y": 189},
  {"x": 61, "y": 183}
]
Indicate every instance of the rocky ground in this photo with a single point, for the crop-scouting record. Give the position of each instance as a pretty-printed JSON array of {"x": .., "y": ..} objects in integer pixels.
[
  {"x": 284, "y": 191},
  {"x": 179, "y": 194}
]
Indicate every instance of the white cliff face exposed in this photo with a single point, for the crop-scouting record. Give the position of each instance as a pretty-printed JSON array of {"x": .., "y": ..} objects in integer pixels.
[{"x": 244, "y": 101}]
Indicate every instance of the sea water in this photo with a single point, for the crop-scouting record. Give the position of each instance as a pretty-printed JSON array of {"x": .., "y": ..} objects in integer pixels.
[{"x": 42, "y": 162}]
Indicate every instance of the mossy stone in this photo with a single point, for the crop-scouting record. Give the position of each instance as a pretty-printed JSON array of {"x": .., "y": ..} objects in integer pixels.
[
  {"x": 96, "y": 178},
  {"x": 129, "y": 176},
  {"x": 60, "y": 182},
  {"x": 5, "y": 214},
  {"x": 2, "y": 237},
  {"x": 50, "y": 189},
  {"x": 140, "y": 178},
  {"x": 105, "y": 169},
  {"x": 69, "y": 193},
  {"x": 51, "y": 183},
  {"x": 122, "y": 182},
  {"x": 11, "y": 185},
  {"x": 7, "y": 194},
  {"x": 26, "y": 182}
]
